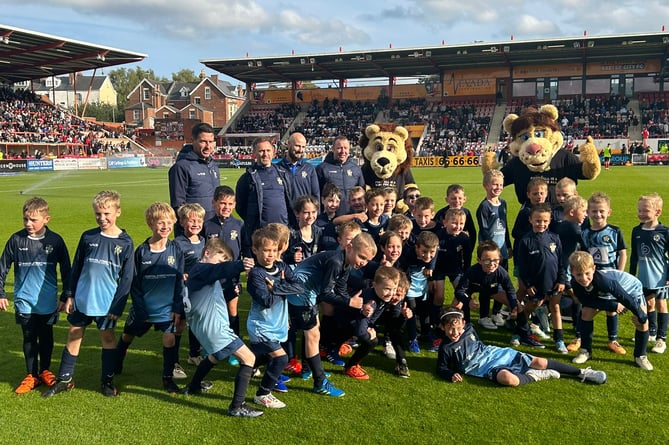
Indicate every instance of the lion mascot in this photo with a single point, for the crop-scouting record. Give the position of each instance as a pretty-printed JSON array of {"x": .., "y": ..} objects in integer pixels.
[
  {"x": 388, "y": 153},
  {"x": 536, "y": 145}
]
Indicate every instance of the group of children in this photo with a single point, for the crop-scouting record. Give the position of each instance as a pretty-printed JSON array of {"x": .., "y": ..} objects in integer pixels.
[{"x": 340, "y": 280}]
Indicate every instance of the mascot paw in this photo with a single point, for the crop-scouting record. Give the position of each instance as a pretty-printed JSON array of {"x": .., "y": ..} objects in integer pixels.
[
  {"x": 590, "y": 158},
  {"x": 489, "y": 161}
]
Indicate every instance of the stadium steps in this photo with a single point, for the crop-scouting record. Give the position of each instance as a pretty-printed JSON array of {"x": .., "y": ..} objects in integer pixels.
[
  {"x": 496, "y": 123},
  {"x": 634, "y": 133}
]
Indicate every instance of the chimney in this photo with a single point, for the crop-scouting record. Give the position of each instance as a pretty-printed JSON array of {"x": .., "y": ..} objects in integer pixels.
[{"x": 214, "y": 79}]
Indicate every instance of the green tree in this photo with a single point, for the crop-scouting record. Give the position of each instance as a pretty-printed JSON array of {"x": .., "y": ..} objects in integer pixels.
[
  {"x": 101, "y": 112},
  {"x": 185, "y": 75}
]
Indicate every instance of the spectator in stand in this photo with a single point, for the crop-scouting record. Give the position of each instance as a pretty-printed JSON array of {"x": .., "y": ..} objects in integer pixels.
[
  {"x": 194, "y": 176},
  {"x": 341, "y": 170}
]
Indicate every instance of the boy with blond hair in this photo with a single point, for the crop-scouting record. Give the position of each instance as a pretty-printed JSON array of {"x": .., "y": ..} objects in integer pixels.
[
  {"x": 100, "y": 282},
  {"x": 650, "y": 262},
  {"x": 157, "y": 291},
  {"x": 35, "y": 252},
  {"x": 613, "y": 291},
  {"x": 191, "y": 220},
  {"x": 606, "y": 244}
]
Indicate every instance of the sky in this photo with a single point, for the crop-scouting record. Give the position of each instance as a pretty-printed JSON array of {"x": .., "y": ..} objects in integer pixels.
[{"x": 177, "y": 34}]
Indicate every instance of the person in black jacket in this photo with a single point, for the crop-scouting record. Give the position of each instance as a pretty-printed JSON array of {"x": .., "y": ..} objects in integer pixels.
[{"x": 341, "y": 170}]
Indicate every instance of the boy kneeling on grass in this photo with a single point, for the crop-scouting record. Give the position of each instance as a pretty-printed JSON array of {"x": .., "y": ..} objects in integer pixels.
[{"x": 462, "y": 353}]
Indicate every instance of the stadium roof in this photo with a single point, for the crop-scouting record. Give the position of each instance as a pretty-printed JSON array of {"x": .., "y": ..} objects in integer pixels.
[
  {"x": 27, "y": 55},
  {"x": 435, "y": 60}
]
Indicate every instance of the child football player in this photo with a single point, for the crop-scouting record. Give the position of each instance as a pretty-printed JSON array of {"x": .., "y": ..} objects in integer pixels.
[
  {"x": 157, "y": 291},
  {"x": 207, "y": 315},
  {"x": 590, "y": 285},
  {"x": 100, "y": 282},
  {"x": 456, "y": 199},
  {"x": 35, "y": 251},
  {"x": 462, "y": 353}
]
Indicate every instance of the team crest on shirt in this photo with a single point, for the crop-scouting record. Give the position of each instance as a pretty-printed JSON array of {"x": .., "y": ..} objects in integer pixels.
[
  {"x": 234, "y": 234},
  {"x": 656, "y": 237},
  {"x": 606, "y": 238},
  {"x": 304, "y": 175},
  {"x": 279, "y": 180},
  {"x": 552, "y": 247},
  {"x": 48, "y": 249},
  {"x": 118, "y": 250},
  {"x": 171, "y": 260},
  {"x": 349, "y": 172}
]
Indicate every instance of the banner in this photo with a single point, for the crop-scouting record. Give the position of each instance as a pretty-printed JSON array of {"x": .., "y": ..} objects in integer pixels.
[
  {"x": 65, "y": 164},
  {"x": 92, "y": 164},
  {"x": 155, "y": 161},
  {"x": 18, "y": 165},
  {"x": 126, "y": 162},
  {"x": 36, "y": 165},
  {"x": 445, "y": 161}
]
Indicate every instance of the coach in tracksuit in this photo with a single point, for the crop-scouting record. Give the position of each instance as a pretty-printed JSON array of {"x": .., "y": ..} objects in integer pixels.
[
  {"x": 263, "y": 193},
  {"x": 194, "y": 176},
  {"x": 302, "y": 175},
  {"x": 341, "y": 170}
]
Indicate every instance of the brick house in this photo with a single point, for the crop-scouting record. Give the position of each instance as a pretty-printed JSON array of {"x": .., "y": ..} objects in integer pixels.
[{"x": 210, "y": 100}]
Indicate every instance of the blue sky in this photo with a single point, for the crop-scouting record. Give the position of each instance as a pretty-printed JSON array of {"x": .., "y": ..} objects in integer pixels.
[{"x": 177, "y": 34}]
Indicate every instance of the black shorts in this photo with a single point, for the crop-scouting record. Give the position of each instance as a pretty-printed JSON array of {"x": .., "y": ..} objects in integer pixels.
[
  {"x": 303, "y": 317},
  {"x": 81, "y": 320},
  {"x": 31, "y": 320}
]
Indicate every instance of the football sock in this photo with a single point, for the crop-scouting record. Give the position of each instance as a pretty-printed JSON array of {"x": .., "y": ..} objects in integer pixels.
[
  {"x": 640, "y": 343},
  {"x": 558, "y": 335},
  {"x": 241, "y": 385},
  {"x": 201, "y": 372},
  {"x": 652, "y": 322},
  {"x": 272, "y": 373},
  {"x": 234, "y": 323},
  {"x": 612, "y": 326},
  {"x": 67, "y": 362},
  {"x": 662, "y": 322},
  {"x": 193, "y": 344},
  {"x": 169, "y": 359},
  {"x": 316, "y": 367},
  {"x": 45, "y": 335},
  {"x": 587, "y": 328},
  {"x": 108, "y": 363},
  {"x": 563, "y": 368},
  {"x": 524, "y": 379}
]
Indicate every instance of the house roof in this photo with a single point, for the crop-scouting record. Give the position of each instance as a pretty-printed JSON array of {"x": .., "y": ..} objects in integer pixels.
[
  {"x": 82, "y": 83},
  {"x": 435, "y": 60},
  {"x": 27, "y": 55}
]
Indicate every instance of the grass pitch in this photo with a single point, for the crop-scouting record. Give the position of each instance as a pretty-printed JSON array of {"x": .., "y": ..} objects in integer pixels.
[{"x": 385, "y": 409}]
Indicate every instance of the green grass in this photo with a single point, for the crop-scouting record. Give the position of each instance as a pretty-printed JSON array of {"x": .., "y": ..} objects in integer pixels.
[{"x": 385, "y": 409}]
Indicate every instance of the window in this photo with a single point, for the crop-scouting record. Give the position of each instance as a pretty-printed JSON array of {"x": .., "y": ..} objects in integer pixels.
[
  {"x": 191, "y": 114},
  {"x": 197, "y": 101},
  {"x": 135, "y": 115},
  {"x": 146, "y": 94},
  {"x": 207, "y": 93},
  {"x": 166, "y": 115}
]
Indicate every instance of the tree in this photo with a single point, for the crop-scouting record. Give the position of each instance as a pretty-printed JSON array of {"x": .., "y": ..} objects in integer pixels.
[
  {"x": 101, "y": 112},
  {"x": 185, "y": 75},
  {"x": 124, "y": 80}
]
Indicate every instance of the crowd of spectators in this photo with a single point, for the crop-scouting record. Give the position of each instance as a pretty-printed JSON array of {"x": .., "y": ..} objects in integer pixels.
[
  {"x": 267, "y": 119},
  {"x": 654, "y": 114},
  {"x": 26, "y": 119},
  {"x": 332, "y": 118}
]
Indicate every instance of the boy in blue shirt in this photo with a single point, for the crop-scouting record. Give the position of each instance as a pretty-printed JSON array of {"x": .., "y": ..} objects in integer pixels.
[
  {"x": 100, "y": 282},
  {"x": 268, "y": 283},
  {"x": 230, "y": 229},
  {"x": 207, "y": 315},
  {"x": 325, "y": 277},
  {"x": 541, "y": 269},
  {"x": 35, "y": 252},
  {"x": 491, "y": 216},
  {"x": 606, "y": 244},
  {"x": 463, "y": 354},
  {"x": 157, "y": 290},
  {"x": 594, "y": 289},
  {"x": 650, "y": 263},
  {"x": 191, "y": 218}
]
